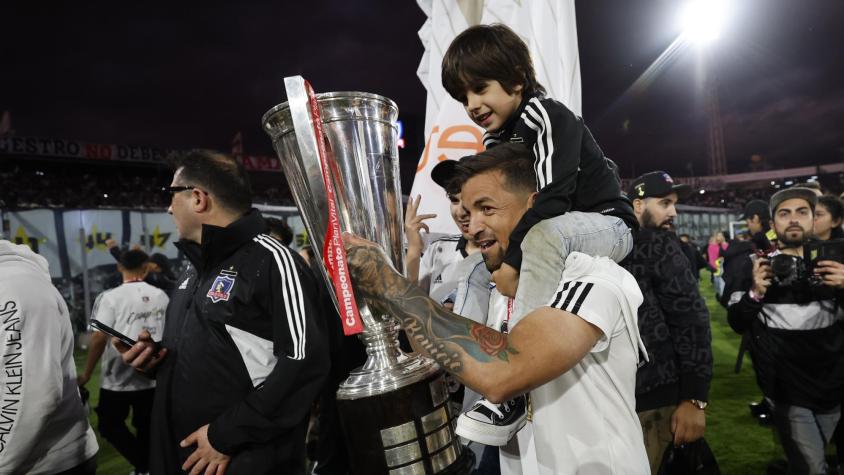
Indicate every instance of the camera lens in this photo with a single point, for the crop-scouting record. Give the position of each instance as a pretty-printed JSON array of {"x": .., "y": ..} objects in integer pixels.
[{"x": 782, "y": 265}]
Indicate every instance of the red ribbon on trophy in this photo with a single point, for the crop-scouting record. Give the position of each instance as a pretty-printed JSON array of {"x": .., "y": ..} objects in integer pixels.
[{"x": 333, "y": 252}]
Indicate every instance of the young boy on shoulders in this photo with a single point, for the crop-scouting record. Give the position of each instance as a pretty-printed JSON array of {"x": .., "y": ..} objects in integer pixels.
[{"x": 488, "y": 69}]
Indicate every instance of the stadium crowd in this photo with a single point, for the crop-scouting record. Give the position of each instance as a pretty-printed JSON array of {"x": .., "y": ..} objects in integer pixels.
[{"x": 47, "y": 185}]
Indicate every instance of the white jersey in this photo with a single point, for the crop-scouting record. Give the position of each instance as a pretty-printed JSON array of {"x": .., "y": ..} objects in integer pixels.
[
  {"x": 437, "y": 268},
  {"x": 129, "y": 309},
  {"x": 585, "y": 421}
]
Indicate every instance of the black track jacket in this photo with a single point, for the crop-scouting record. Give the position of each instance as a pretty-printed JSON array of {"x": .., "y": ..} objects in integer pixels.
[
  {"x": 247, "y": 353},
  {"x": 572, "y": 172}
]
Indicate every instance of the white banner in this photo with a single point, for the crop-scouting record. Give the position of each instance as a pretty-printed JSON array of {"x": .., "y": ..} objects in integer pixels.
[
  {"x": 550, "y": 31},
  {"x": 155, "y": 232},
  {"x": 37, "y": 229},
  {"x": 98, "y": 226}
]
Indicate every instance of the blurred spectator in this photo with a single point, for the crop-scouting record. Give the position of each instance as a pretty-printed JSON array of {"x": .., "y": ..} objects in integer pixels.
[
  {"x": 812, "y": 185},
  {"x": 279, "y": 230},
  {"x": 131, "y": 308},
  {"x": 829, "y": 214},
  {"x": 717, "y": 243},
  {"x": 160, "y": 273},
  {"x": 694, "y": 254},
  {"x": 736, "y": 263}
]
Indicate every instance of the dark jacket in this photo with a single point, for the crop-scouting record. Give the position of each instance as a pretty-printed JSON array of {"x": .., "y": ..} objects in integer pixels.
[
  {"x": 247, "y": 353},
  {"x": 738, "y": 268},
  {"x": 796, "y": 342},
  {"x": 695, "y": 257},
  {"x": 572, "y": 172},
  {"x": 673, "y": 322}
]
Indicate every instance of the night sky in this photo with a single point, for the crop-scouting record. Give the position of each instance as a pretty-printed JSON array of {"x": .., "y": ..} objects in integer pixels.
[{"x": 191, "y": 74}]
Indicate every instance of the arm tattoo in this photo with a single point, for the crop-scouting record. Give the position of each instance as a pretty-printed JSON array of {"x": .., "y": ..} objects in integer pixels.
[{"x": 446, "y": 336}]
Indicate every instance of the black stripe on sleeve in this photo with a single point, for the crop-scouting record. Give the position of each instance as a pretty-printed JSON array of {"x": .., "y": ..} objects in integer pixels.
[{"x": 582, "y": 298}]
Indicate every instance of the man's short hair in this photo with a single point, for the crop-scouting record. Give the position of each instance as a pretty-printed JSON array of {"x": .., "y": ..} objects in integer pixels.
[
  {"x": 514, "y": 161},
  {"x": 133, "y": 260},
  {"x": 281, "y": 229},
  {"x": 485, "y": 53},
  {"x": 218, "y": 174}
]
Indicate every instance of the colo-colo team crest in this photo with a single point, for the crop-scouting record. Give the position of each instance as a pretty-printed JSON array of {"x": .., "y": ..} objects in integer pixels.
[{"x": 221, "y": 289}]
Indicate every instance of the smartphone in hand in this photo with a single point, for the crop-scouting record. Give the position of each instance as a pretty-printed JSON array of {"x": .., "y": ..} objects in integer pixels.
[{"x": 100, "y": 326}]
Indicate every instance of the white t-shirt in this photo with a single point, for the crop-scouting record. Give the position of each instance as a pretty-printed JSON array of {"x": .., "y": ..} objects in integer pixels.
[
  {"x": 129, "y": 309},
  {"x": 585, "y": 421},
  {"x": 437, "y": 267}
]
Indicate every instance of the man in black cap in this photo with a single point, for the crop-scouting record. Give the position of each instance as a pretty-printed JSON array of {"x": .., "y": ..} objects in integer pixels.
[
  {"x": 796, "y": 334},
  {"x": 737, "y": 264},
  {"x": 672, "y": 390},
  {"x": 432, "y": 265}
]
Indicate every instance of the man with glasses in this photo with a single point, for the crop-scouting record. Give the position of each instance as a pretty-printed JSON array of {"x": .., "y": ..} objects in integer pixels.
[{"x": 242, "y": 357}]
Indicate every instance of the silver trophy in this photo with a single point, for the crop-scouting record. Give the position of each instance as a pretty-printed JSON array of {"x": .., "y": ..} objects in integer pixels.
[{"x": 394, "y": 409}]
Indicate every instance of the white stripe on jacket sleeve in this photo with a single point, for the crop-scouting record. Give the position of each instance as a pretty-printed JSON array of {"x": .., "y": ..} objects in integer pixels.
[{"x": 292, "y": 296}]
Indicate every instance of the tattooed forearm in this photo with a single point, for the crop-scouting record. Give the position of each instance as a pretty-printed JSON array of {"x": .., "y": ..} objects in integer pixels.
[{"x": 448, "y": 338}]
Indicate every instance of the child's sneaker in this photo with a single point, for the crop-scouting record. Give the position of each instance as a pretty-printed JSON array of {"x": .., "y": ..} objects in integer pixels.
[{"x": 493, "y": 424}]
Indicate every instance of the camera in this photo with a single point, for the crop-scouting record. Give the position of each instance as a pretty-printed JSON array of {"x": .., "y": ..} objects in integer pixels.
[
  {"x": 789, "y": 271},
  {"x": 794, "y": 271}
]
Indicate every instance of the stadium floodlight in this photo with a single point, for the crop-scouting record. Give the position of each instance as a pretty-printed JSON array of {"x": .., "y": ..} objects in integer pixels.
[{"x": 702, "y": 20}]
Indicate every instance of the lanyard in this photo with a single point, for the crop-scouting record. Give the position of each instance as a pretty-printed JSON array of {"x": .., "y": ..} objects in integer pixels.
[{"x": 506, "y": 323}]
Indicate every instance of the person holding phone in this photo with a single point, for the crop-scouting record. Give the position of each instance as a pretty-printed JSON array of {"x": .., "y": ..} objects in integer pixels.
[
  {"x": 130, "y": 308},
  {"x": 244, "y": 353}
]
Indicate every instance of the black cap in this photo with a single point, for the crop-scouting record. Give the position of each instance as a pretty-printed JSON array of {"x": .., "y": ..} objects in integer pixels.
[
  {"x": 445, "y": 171},
  {"x": 791, "y": 193},
  {"x": 656, "y": 185},
  {"x": 754, "y": 208}
]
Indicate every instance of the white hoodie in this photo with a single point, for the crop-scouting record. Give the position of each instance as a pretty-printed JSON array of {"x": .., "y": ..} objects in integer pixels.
[{"x": 43, "y": 426}]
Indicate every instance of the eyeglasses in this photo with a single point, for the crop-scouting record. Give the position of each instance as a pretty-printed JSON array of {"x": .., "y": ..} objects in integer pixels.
[{"x": 176, "y": 189}]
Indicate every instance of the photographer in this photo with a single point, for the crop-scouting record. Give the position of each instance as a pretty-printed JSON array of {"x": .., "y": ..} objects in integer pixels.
[{"x": 792, "y": 312}]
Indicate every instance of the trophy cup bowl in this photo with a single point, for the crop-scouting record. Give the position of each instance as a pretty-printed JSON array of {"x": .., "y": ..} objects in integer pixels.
[{"x": 394, "y": 410}]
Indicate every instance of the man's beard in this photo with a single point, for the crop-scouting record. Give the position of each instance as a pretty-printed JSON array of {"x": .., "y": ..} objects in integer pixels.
[
  {"x": 787, "y": 241},
  {"x": 649, "y": 222},
  {"x": 493, "y": 263}
]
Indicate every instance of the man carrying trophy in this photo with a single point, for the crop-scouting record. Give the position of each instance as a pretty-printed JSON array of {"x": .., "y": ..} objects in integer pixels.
[{"x": 574, "y": 346}]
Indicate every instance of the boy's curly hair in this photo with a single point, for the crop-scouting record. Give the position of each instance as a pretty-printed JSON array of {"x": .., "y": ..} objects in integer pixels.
[{"x": 488, "y": 52}]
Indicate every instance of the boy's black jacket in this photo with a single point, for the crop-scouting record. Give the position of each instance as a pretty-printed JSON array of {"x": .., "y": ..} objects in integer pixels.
[{"x": 572, "y": 172}]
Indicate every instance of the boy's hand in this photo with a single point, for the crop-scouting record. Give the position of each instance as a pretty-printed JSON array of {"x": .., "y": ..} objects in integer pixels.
[
  {"x": 414, "y": 224},
  {"x": 506, "y": 280}
]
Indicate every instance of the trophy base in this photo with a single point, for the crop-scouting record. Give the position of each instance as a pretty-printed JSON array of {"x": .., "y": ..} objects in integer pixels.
[
  {"x": 407, "y": 431},
  {"x": 387, "y": 368}
]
